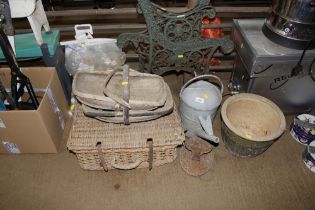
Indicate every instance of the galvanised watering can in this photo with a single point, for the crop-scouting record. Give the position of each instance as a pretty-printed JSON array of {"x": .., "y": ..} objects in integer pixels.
[{"x": 199, "y": 101}]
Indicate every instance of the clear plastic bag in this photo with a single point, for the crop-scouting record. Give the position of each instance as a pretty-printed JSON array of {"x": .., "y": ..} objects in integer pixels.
[
  {"x": 93, "y": 57},
  {"x": 89, "y": 54}
]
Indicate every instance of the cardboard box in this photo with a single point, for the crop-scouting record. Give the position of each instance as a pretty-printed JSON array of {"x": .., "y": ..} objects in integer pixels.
[{"x": 35, "y": 131}]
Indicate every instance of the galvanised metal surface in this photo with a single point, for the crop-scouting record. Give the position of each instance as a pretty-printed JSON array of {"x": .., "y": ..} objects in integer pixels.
[
  {"x": 265, "y": 68},
  {"x": 199, "y": 101},
  {"x": 291, "y": 23},
  {"x": 173, "y": 41}
]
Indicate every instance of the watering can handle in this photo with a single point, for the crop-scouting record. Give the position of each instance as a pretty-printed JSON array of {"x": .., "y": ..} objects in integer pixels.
[{"x": 206, "y": 76}]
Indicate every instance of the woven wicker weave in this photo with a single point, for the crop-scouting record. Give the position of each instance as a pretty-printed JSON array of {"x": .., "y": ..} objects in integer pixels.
[{"x": 124, "y": 147}]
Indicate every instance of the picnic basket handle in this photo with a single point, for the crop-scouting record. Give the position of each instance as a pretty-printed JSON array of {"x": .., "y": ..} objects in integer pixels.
[{"x": 126, "y": 166}]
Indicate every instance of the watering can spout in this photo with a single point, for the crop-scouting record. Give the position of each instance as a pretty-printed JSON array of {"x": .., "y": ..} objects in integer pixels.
[{"x": 206, "y": 125}]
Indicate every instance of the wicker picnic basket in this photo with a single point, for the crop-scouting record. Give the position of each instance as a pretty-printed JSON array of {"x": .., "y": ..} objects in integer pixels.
[{"x": 103, "y": 146}]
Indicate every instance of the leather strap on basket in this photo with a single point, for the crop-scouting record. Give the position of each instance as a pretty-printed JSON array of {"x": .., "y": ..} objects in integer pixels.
[
  {"x": 125, "y": 83},
  {"x": 150, "y": 155},
  {"x": 101, "y": 156}
]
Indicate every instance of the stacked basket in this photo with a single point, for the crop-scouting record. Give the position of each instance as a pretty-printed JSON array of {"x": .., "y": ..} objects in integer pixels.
[
  {"x": 125, "y": 120},
  {"x": 122, "y": 95}
]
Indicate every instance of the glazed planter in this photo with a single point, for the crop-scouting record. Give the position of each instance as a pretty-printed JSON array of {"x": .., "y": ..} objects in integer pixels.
[{"x": 250, "y": 124}]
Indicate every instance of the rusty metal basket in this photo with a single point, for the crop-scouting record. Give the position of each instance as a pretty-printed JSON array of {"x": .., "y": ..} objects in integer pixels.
[{"x": 105, "y": 146}]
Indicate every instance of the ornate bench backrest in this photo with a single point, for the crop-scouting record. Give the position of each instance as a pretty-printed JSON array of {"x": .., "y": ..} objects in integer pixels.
[
  {"x": 173, "y": 30},
  {"x": 173, "y": 41}
]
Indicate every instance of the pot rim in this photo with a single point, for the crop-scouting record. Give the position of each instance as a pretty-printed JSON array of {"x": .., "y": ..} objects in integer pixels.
[{"x": 257, "y": 98}]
